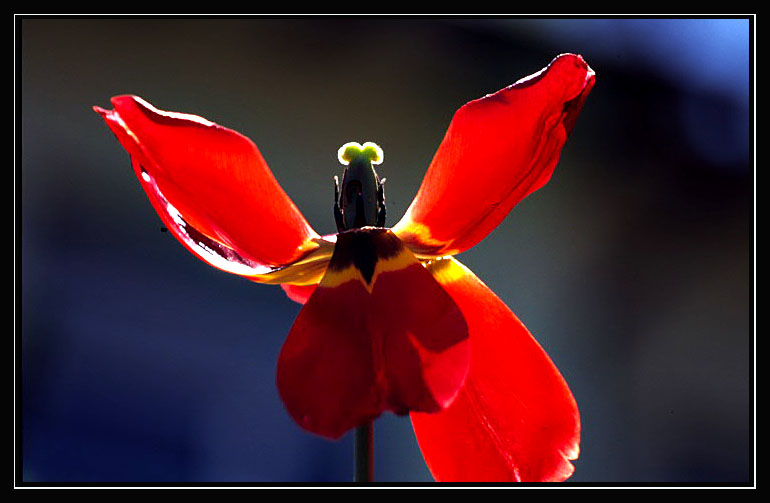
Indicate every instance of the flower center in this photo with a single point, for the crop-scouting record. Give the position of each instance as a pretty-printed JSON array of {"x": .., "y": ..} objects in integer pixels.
[{"x": 360, "y": 201}]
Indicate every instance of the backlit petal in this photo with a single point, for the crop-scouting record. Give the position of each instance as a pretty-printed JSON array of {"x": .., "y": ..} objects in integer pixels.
[
  {"x": 515, "y": 418},
  {"x": 378, "y": 333},
  {"x": 298, "y": 293},
  {"x": 497, "y": 150},
  {"x": 212, "y": 189}
]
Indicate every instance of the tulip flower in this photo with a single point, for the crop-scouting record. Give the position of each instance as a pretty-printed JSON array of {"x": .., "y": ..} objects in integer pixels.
[{"x": 391, "y": 320}]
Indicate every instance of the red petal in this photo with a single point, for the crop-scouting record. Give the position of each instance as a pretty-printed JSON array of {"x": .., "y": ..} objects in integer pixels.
[
  {"x": 497, "y": 150},
  {"x": 515, "y": 418},
  {"x": 379, "y": 333},
  {"x": 211, "y": 187},
  {"x": 298, "y": 293}
]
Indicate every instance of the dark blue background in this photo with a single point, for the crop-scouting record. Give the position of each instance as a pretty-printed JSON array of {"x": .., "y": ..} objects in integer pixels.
[{"x": 632, "y": 267}]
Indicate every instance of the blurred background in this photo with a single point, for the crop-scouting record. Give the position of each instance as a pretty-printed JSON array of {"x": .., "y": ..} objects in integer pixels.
[{"x": 632, "y": 267}]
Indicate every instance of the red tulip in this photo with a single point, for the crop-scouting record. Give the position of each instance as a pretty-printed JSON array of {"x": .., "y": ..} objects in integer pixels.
[{"x": 391, "y": 321}]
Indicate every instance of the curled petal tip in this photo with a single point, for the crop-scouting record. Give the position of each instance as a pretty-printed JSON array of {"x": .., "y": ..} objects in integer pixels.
[
  {"x": 211, "y": 187},
  {"x": 497, "y": 150}
]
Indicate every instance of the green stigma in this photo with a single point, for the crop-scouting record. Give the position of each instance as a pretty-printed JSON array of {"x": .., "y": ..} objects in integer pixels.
[{"x": 369, "y": 151}]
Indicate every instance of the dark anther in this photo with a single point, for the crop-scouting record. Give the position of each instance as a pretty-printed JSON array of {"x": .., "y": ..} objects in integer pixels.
[
  {"x": 381, "y": 203},
  {"x": 337, "y": 212}
]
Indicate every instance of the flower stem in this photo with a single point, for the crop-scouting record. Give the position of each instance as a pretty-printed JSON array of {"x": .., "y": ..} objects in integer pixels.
[{"x": 363, "y": 450}]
